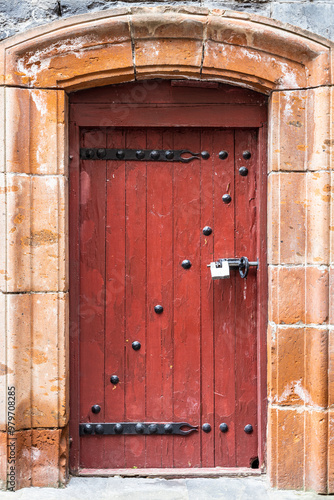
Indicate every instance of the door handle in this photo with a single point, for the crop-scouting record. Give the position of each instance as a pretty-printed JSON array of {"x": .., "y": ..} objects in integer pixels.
[{"x": 221, "y": 268}]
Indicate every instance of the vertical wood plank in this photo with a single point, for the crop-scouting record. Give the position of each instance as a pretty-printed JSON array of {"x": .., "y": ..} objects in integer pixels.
[
  {"x": 187, "y": 299},
  {"x": 246, "y": 309},
  {"x": 224, "y": 301},
  {"x": 136, "y": 278},
  {"x": 168, "y": 296},
  {"x": 92, "y": 284},
  {"x": 207, "y": 341},
  {"x": 159, "y": 291},
  {"x": 115, "y": 299},
  {"x": 74, "y": 293}
]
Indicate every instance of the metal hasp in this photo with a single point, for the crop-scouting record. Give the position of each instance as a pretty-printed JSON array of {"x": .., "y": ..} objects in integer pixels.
[
  {"x": 136, "y": 428},
  {"x": 221, "y": 268},
  {"x": 168, "y": 155}
]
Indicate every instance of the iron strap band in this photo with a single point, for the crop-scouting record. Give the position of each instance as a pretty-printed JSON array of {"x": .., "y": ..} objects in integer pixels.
[
  {"x": 136, "y": 428},
  {"x": 175, "y": 155}
]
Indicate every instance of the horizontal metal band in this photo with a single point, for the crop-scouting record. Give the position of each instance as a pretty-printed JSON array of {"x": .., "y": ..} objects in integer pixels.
[
  {"x": 160, "y": 155},
  {"x": 136, "y": 428}
]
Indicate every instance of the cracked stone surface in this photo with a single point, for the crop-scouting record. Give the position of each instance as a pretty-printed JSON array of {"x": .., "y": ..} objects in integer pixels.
[{"x": 17, "y": 16}]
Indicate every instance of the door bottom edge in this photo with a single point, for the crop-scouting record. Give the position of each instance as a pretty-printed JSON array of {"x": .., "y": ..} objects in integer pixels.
[{"x": 170, "y": 473}]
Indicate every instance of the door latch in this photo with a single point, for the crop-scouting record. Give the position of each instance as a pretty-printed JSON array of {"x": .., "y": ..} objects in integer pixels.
[{"x": 221, "y": 268}]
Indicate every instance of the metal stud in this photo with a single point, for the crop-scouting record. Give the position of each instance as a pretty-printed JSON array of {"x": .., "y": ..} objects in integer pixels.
[
  {"x": 99, "y": 429},
  {"x": 140, "y": 154},
  {"x": 223, "y": 427},
  {"x": 169, "y": 155},
  {"x": 207, "y": 230},
  {"x": 155, "y": 155},
  {"x": 152, "y": 428},
  {"x": 96, "y": 409},
  {"x": 223, "y": 155},
  {"x": 139, "y": 428},
  {"x": 114, "y": 379},
  {"x": 227, "y": 198},
  {"x": 248, "y": 429},
  {"x": 206, "y": 428},
  {"x": 186, "y": 264},
  {"x": 120, "y": 154},
  {"x": 243, "y": 171},
  {"x": 205, "y": 155},
  {"x": 158, "y": 309},
  {"x": 88, "y": 429},
  {"x": 118, "y": 428},
  {"x": 246, "y": 155},
  {"x": 168, "y": 428},
  {"x": 136, "y": 345},
  {"x": 100, "y": 153},
  {"x": 90, "y": 153}
]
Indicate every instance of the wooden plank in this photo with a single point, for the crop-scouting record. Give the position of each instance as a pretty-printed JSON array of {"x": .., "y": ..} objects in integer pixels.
[
  {"x": 92, "y": 283},
  {"x": 170, "y": 473},
  {"x": 207, "y": 341},
  {"x": 115, "y": 300},
  {"x": 187, "y": 115},
  {"x": 246, "y": 295},
  {"x": 74, "y": 293},
  {"x": 136, "y": 276},
  {"x": 187, "y": 227},
  {"x": 167, "y": 340},
  {"x": 162, "y": 91},
  {"x": 159, "y": 401},
  {"x": 224, "y": 301}
]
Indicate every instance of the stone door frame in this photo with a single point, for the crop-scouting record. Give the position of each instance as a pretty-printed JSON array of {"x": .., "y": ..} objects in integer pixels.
[{"x": 37, "y": 70}]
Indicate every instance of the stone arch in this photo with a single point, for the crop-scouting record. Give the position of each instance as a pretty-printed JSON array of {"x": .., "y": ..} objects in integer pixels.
[{"x": 37, "y": 69}]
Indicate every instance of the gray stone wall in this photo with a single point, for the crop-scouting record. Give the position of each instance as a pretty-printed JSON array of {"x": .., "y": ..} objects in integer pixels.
[{"x": 19, "y": 15}]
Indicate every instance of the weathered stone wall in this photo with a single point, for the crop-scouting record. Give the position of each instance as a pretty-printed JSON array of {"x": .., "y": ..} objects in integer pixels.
[{"x": 315, "y": 15}]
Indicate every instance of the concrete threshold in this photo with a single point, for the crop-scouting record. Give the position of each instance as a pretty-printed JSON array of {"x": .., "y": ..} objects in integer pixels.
[{"x": 134, "y": 488}]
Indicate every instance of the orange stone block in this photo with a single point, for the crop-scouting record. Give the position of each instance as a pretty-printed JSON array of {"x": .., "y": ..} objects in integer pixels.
[
  {"x": 176, "y": 57},
  {"x": 36, "y": 244},
  {"x": 317, "y": 295},
  {"x": 288, "y": 145},
  {"x": 3, "y": 460},
  {"x": 331, "y": 296},
  {"x": 47, "y": 464},
  {"x": 331, "y": 368},
  {"x": 3, "y": 365},
  {"x": 71, "y": 58},
  {"x": 40, "y": 457},
  {"x": 3, "y": 206},
  {"x": 298, "y": 295},
  {"x": 272, "y": 445},
  {"x": 171, "y": 44},
  {"x": 286, "y": 294},
  {"x": 287, "y": 218},
  {"x": 319, "y": 140},
  {"x": 272, "y": 362},
  {"x": 316, "y": 449},
  {"x": 2, "y": 128},
  {"x": 37, "y": 359},
  {"x": 330, "y": 452},
  {"x": 22, "y": 448},
  {"x": 290, "y": 367},
  {"x": 35, "y": 132},
  {"x": 290, "y": 449},
  {"x": 319, "y": 196},
  {"x": 316, "y": 367}
]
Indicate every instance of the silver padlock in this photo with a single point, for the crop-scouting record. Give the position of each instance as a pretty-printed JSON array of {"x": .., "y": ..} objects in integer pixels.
[{"x": 220, "y": 270}]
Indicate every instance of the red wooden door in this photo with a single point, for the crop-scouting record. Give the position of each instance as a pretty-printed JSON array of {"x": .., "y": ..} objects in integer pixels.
[{"x": 158, "y": 340}]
